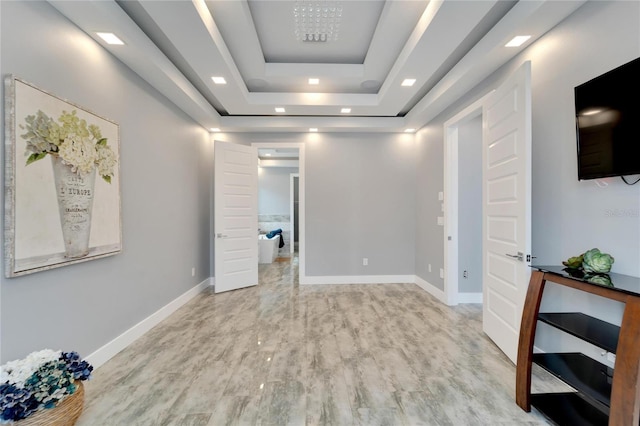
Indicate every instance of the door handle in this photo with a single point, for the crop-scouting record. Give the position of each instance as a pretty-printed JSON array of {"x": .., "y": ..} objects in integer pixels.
[
  {"x": 519, "y": 256},
  {"x": 221, "y": 235}
]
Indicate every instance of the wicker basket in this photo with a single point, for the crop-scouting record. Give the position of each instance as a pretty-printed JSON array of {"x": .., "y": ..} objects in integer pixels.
[{"x": 64, "y": 414}]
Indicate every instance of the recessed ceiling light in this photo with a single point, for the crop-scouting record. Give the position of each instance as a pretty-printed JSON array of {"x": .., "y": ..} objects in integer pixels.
[
  {"x": 214, "y": 129},
  {"x": 279, "y": 109},
  {"x": 313, "y": 129},
  {"x": 517, "y": 41},
  {"x": 219, "y": 80},
  {"x": 345, "y": 110},
  {"x": 592, "y": 111},
  {"x": 409, "y": 130},
  {"x": 314, "y": 81},
  {"x": 267, "y": 155},
  {"x": 408, "y": 82},
  {"x": 110, "y": 38}
]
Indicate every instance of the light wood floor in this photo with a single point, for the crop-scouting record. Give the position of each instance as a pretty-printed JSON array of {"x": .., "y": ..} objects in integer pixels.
[{"x": 281, "y": 354}]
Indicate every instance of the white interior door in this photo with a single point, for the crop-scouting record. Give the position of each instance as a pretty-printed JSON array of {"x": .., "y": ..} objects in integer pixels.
[
  {"x": 506, "y": 158},
  {"x": 235, "y": 216}
]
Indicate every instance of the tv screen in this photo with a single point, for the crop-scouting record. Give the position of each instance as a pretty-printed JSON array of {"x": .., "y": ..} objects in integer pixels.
[{"x": 608, "y": 123}]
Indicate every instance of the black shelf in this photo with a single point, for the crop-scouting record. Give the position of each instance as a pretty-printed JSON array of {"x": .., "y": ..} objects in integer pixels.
[
  {"x": 592, "y": 330},
  {"x": 618, "y": 282},
  {"x": 569, "y": 409},
  {"x": 592, "y": 402},
  {"x": 581, "y": 372}
]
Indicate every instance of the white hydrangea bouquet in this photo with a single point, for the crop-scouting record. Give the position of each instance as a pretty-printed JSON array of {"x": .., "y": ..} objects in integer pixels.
[
  {"x": 78, "y": 145},
  {"x": 38, "y": 382}
]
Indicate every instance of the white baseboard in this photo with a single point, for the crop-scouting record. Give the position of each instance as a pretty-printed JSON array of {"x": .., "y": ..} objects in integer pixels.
[
  {"x": 106, "y": 352},
  {"x": 378, "y": 279},
  {"x": 469, "y": 297},
  {"x": 431, "y": 289},
  {"x": 357, "y": 279}
]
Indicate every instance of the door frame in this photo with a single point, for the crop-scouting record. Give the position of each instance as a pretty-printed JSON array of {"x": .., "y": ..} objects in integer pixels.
[
  {"x": 301, "y": 197},
  {"x": 292, "y": 202},
  {"x": 451, "y": 191}
]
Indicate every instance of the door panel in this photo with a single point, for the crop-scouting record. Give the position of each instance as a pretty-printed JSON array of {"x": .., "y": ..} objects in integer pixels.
[
  {"x": 235, "y": 216},
  {"x": 506, "y": 208}
]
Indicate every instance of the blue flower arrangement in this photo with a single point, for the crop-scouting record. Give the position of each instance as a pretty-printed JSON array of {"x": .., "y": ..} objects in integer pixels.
[{"x": 38, "y": 382}]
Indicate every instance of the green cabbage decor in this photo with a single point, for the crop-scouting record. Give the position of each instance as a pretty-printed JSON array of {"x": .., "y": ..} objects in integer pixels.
[
  {"x": 574, "y": 262},
  {"x": 597, "y": 262}
]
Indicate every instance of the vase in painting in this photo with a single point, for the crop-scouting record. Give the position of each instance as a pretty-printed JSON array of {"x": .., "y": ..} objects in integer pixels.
[{"x": 75, "y": 202}]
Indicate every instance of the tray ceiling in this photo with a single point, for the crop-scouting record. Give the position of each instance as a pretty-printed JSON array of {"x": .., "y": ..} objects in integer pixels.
[{"x": 446, "y": 46}]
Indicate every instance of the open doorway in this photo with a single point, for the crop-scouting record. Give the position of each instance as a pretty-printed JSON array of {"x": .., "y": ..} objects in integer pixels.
[
  {"x": 463, "y": 206},
  {"x": 281, "y": 202}
]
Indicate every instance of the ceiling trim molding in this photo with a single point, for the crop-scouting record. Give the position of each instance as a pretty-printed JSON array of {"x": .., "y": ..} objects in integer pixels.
[
  {"x": 302, "y": 124},
  {"x": 157, "y": 70},
  {"x": 488, "y": 55}
]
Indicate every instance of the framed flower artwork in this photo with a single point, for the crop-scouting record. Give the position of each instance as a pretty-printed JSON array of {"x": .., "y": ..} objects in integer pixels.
[{"x": 62, "y": 182}]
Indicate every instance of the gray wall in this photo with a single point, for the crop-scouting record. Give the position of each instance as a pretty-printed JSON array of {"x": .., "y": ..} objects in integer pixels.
[
  {"x": 274, "y": 185},
  {"x": 568, "y": 216},
  {"x": 470, "y": 205},
  {"x": 360, "y": 201},
  {"x": 429, "y": 248},
  {"x": 165, "y": 162}
]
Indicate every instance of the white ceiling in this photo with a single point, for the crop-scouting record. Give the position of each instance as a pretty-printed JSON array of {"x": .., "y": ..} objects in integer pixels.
[{"x": 447, "y": 46}]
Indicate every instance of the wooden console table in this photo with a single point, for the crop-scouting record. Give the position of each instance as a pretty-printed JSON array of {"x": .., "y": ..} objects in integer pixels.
[{"x": 604, "y": 396}]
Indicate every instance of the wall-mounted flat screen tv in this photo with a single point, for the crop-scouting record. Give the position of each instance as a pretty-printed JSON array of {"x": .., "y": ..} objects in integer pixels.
[{"x": 608, "y": 123}]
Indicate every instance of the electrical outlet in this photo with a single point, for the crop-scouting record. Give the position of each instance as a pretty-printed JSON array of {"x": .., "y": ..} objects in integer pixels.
[
  {"x": 465, "y": 274},
  {"x": 440, "y": 220},
  {"x": 193, "y": 271},
  {"x": 365, "y": 261},
  {"x": 429, "y": 267},
  {"x": 440, "y": 195},
  {"x": 441, "y": 273}
]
